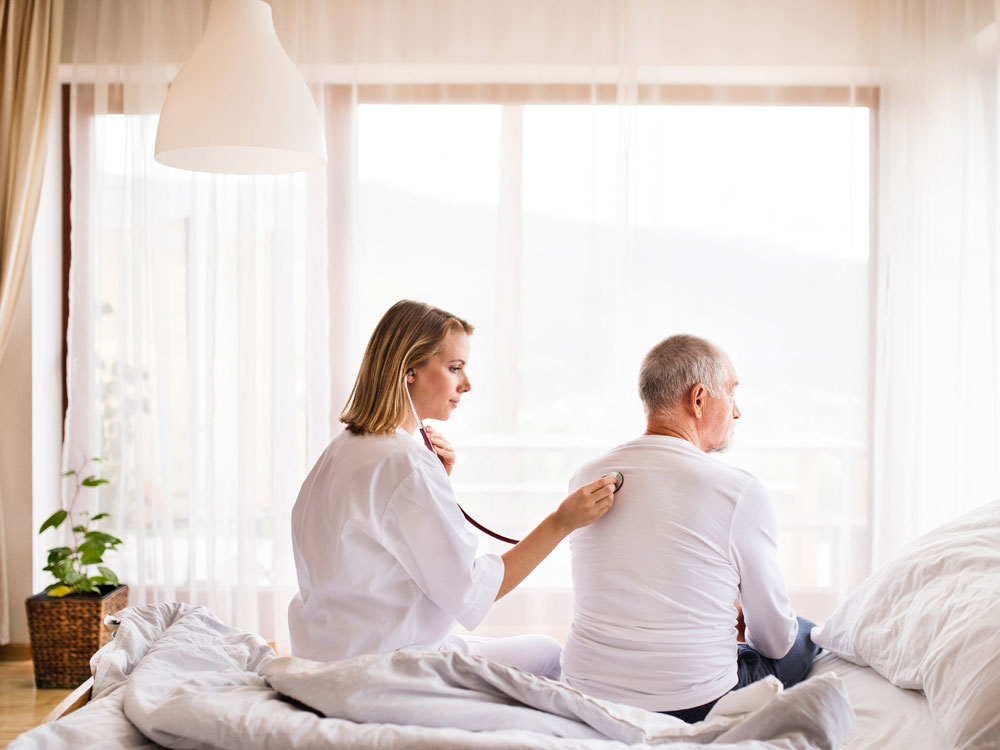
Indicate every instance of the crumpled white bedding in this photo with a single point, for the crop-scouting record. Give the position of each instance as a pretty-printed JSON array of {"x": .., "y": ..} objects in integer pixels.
[
  {"x": 887, "y": 717},
  {"x": 175, "y": 676}
]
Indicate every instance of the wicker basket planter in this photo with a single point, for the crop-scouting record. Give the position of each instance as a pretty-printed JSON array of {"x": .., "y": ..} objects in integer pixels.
[{"x": 65, "y": 632}]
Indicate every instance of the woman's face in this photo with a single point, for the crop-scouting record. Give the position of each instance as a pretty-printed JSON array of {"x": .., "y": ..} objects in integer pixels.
[{"x": 437, "y": 383}]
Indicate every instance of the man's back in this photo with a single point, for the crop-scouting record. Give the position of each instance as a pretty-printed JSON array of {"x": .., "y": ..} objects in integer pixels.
[{"x": 655, "y": 581}]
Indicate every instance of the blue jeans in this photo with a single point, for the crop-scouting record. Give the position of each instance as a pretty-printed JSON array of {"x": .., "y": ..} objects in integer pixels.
[{"x": 752, "y": 665}]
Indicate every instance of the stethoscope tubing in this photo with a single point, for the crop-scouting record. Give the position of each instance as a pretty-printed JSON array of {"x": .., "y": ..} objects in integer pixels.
[
  {"x": 432, "y": 449},
  {"x": 619, "y": 477}
]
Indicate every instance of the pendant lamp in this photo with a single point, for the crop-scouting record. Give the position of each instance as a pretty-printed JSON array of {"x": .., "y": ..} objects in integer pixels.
[{"x": 239, "y": 105}]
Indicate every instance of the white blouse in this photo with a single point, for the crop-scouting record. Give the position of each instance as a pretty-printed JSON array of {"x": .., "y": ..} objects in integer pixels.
[{"x": 383, "y": 555}]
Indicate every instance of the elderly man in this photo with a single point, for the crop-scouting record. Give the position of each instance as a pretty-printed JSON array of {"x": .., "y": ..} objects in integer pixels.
[{"x": 658, "y": 583}]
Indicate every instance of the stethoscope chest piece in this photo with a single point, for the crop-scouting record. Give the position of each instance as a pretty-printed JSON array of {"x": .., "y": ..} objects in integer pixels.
[{"x": 619, "y": 479}]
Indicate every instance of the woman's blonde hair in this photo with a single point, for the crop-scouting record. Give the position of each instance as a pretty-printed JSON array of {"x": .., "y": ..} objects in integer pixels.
[{"x": 408, "y": 334}]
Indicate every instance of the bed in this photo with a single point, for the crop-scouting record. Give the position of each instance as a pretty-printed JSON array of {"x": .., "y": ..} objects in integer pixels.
[
  {"x": 175, "y": 676},
  {"x": 887, "y": 717},
  {"x": 912, "y": 662}
]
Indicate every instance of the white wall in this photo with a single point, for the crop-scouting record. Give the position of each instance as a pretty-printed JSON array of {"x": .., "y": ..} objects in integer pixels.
[{"x": 47, "y": 366}]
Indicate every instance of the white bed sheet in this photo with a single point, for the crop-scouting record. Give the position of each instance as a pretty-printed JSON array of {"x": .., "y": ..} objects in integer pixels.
[
  {"x": 175, "y": 676},
  {"x": 888, "y": 717}
]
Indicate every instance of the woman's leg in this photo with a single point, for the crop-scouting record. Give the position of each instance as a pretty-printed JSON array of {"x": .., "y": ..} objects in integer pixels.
[{"x": 538, "y": 654}]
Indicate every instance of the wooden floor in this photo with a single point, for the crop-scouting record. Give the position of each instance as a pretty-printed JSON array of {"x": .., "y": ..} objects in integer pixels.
[{"x": 22, "y": 706}]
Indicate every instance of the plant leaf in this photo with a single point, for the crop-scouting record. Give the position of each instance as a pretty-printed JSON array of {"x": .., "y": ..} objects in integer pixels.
[
  {"x": 99, "y": 516},
  {"x": 61, "y": 570},
  {"x": 91, "y": 552},
  {"x": 102, "y": 538},
  {"x": 58, "y": 554},
  {"x": 108, "y": 574},
  {"x": 92, "y": 481},
  {"x": 73, "y": 577},
  {"x": 69, "y": 473},
  {"x": 60, "y": 590},
  {"x": 97, "y": 458},
  {"x": 80, "y": 529},
  {"x": 64, "y": 572},
  {"x": 53, "y": 521}
]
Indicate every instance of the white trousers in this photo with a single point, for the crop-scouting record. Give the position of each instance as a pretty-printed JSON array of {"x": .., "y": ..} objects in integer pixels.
[{"x": 538, "y": 654}]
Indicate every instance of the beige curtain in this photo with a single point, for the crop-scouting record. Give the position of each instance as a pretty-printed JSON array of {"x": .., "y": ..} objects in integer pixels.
[{"x": 30, "y": 39}]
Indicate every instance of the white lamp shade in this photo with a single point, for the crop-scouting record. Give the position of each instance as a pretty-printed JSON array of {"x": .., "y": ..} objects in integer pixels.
[{"x": 239, "y": 105}]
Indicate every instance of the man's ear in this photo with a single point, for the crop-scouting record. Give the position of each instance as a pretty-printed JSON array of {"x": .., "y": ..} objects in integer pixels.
[{"x": 697, "y": 399}]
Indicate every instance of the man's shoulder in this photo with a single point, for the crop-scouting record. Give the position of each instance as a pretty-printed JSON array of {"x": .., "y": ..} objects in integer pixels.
[
  {"x": 600, "y": 465},
  {"x": 736, "y": 480},
  {"x": 737, "y": 474},
  {"x": 676, "y": 459}
]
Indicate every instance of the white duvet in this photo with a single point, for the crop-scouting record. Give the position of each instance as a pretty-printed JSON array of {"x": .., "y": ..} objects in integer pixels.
[
  {"x": 887, "y": 717},
  {"x": 174, "y": 676}
]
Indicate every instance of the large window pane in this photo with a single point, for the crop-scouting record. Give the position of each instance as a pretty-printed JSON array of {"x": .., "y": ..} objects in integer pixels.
[{"x": 746, "y": 225}]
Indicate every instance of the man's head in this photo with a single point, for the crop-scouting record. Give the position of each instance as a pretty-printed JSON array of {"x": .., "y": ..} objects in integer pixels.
[{"x": 686, "y": 385}]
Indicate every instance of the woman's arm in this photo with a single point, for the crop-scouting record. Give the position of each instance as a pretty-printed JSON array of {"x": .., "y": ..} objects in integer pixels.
[{"x": 583, "y": 507}]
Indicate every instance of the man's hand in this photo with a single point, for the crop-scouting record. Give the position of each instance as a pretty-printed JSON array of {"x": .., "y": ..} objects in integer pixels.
[
  {"x": 741, "y": 626},
  {"x": 444, "y": 450}
]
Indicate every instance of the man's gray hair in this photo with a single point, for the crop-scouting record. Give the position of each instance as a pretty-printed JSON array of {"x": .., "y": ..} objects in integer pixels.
[{"x": 677, "y": 364}]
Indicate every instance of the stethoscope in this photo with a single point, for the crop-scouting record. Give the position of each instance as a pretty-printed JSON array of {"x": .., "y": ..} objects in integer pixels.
[{"x": 619, "y": 478}]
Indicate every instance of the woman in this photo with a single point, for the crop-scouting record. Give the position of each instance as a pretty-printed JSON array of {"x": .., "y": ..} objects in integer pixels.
[{"x": 384, "y": 557}]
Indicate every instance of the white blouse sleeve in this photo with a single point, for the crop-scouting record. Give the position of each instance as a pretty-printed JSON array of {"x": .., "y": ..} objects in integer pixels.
[
  {"x": 771, "y": 625},
  {"x": 423, "y": 528}
]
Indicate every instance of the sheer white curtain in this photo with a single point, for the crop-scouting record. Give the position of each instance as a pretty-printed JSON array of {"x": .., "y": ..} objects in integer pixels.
[
  {"x": 198, "y": 335},
  {"x": 579, "y": 179},
  {"x": 938, "y": 347}
]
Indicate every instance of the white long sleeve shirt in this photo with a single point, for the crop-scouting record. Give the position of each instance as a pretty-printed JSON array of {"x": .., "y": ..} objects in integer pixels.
[
  {"x": 655, "y": 579},
  {"x": 383, "y": 555}
]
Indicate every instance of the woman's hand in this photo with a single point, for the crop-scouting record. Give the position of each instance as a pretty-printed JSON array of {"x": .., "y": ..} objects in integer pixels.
[
  {"x": 444, "y": 450},
  {"x": 587, "y": 504},
  {"x": 584, "y": 506}
]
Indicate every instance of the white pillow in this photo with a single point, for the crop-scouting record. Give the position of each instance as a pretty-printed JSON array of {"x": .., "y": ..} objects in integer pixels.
[{"x": 929, "y": 620}]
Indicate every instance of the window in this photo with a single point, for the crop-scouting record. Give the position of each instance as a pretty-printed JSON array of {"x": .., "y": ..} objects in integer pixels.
[
  {"x": 230, "y": 314},
  {"x": 577, "y": 236}
]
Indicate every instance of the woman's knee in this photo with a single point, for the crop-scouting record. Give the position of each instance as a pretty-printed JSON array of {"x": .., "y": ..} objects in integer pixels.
[{"x": 538, "y": 654}]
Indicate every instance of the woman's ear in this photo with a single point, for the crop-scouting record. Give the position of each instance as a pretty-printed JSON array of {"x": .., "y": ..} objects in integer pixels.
[{"x": 409, "y": 375}]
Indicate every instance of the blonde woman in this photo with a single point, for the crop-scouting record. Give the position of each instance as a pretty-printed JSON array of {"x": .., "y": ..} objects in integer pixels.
[{"x": 384, "y": 557}]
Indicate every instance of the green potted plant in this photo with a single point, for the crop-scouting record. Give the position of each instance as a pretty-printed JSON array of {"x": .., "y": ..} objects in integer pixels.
[{"x": 66, "y": 620}]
